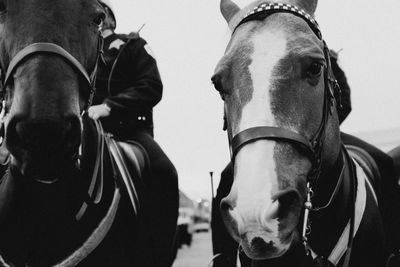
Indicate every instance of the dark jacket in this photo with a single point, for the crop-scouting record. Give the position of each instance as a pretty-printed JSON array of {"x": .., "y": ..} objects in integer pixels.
[
  {"x": 135, "y": 86},
  {"x": 345, "y": 101}
]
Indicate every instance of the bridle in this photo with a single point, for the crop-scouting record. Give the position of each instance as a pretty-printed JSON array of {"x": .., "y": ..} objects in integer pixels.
[
  {"x": 313, "y": 146},
  {"x": 54, "y": 49}
]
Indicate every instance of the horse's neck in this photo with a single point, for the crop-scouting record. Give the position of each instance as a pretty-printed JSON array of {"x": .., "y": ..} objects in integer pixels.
[
  {"x": 328, "y": 223},
  {"x": 327, "y": 181}
]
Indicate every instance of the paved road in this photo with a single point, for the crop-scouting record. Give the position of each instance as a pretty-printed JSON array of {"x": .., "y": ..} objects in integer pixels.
[{"x": 198, "y": 254}]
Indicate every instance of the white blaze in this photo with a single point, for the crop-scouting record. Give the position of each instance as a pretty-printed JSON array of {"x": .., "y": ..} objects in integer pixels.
[
  {"x": 269, "y": 48},
  {"x": 255, "y": 172}
]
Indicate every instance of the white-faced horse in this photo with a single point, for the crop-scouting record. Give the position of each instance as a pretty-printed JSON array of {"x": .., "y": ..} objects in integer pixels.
[{"x": 298, "y": 198}]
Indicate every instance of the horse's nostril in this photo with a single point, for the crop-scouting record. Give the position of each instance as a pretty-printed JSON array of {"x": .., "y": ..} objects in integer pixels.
[
  {"x": 287, "y": 202},
  {"x": 260, "y": 245},
  {"x": 289, "y": 199}
]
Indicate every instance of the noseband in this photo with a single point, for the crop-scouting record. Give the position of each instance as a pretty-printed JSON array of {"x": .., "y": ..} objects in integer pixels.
[
  {"x": 51, "y": 48},
  {"x": 314, "y": 145}
]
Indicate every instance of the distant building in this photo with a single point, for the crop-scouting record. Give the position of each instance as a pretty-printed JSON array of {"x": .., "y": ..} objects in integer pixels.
[{"x": 185, "y": 201}]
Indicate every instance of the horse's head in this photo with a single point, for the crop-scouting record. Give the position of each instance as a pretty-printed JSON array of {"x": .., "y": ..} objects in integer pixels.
[
  {"x": 274, "y": 76},
  {"x": 47, "y": 49}
]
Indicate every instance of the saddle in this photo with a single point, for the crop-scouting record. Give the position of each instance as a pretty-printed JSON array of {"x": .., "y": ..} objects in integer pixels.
[
  {"x": 131, "y": 161},
  {"x": 370, "y": 167},
  {"x": 128, "y": 159}
]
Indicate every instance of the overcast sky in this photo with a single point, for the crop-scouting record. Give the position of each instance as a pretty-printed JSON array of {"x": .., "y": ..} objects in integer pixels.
[{"x": 188, "y": 38}]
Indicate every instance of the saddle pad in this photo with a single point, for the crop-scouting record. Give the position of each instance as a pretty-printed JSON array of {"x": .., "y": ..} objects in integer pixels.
[{"x": 130, "y": 161}]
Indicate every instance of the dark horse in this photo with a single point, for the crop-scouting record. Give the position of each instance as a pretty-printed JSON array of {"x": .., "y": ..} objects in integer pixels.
[
  {"x": 299, "y": 197},
  {"x": 67, "y": 197}
]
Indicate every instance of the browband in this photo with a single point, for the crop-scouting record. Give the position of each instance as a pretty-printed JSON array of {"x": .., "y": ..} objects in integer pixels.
[{"x": 263, "y": 10}]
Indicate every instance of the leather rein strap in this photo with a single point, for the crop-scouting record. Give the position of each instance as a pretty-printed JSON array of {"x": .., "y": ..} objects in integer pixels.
[
  {"x": 314, "y": 145},
  {"x": 51, "y": 48}
]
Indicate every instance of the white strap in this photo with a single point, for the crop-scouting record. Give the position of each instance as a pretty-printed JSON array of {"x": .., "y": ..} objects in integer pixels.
[{"x": 361, "y": 199}]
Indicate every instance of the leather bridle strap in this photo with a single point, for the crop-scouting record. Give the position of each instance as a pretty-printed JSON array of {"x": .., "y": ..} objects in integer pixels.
[
  {"x": 44, "y": 48},
  {"x": 51, "y": 48},
  {"x": 314, "y": 145},
  {"x": 270, "y": 133}
]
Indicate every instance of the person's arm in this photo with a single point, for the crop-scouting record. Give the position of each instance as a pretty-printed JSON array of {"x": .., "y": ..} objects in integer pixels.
[{"x": 145, "y": 86}]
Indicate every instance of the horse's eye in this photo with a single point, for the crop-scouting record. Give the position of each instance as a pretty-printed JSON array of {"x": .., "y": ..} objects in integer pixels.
[
  {"x": 314, "y": 70},
  {"x": 99, "y": 20},
  {"x": 216, "y": 80}
]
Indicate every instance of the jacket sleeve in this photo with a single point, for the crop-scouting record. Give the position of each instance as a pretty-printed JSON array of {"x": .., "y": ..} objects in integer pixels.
[{"x": 144, "y": 87}]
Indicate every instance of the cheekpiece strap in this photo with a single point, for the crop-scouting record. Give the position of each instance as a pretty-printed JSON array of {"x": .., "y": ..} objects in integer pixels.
[{"x": 263, "y": 10}]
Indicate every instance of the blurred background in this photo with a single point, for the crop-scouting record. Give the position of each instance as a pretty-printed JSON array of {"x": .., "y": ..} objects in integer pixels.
[{"x": 188, "y": 38}]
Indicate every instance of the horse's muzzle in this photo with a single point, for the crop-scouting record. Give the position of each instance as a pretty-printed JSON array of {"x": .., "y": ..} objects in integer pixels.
[
  {"x": 41, "y": 146},
  {"x": 264, "y": 230}
]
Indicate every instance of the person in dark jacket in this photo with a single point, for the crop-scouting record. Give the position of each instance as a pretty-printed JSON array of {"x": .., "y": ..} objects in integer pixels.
[
  {"x": 225, "y": 247},
  {"x": 128, "y": 86}
]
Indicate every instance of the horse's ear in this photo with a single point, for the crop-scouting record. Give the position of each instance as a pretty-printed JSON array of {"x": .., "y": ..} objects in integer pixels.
[
  {"x": 309, "y": 5},
  {"x": 228, "y": 9}
]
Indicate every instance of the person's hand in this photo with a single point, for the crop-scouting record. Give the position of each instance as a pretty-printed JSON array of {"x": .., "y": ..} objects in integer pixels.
[{"x": 99, "y": 111}]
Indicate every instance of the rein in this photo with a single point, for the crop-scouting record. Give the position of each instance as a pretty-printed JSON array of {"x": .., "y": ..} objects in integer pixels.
[
  {"x": 313, "y": 146},
  {"x": 97, "y": 181}
]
